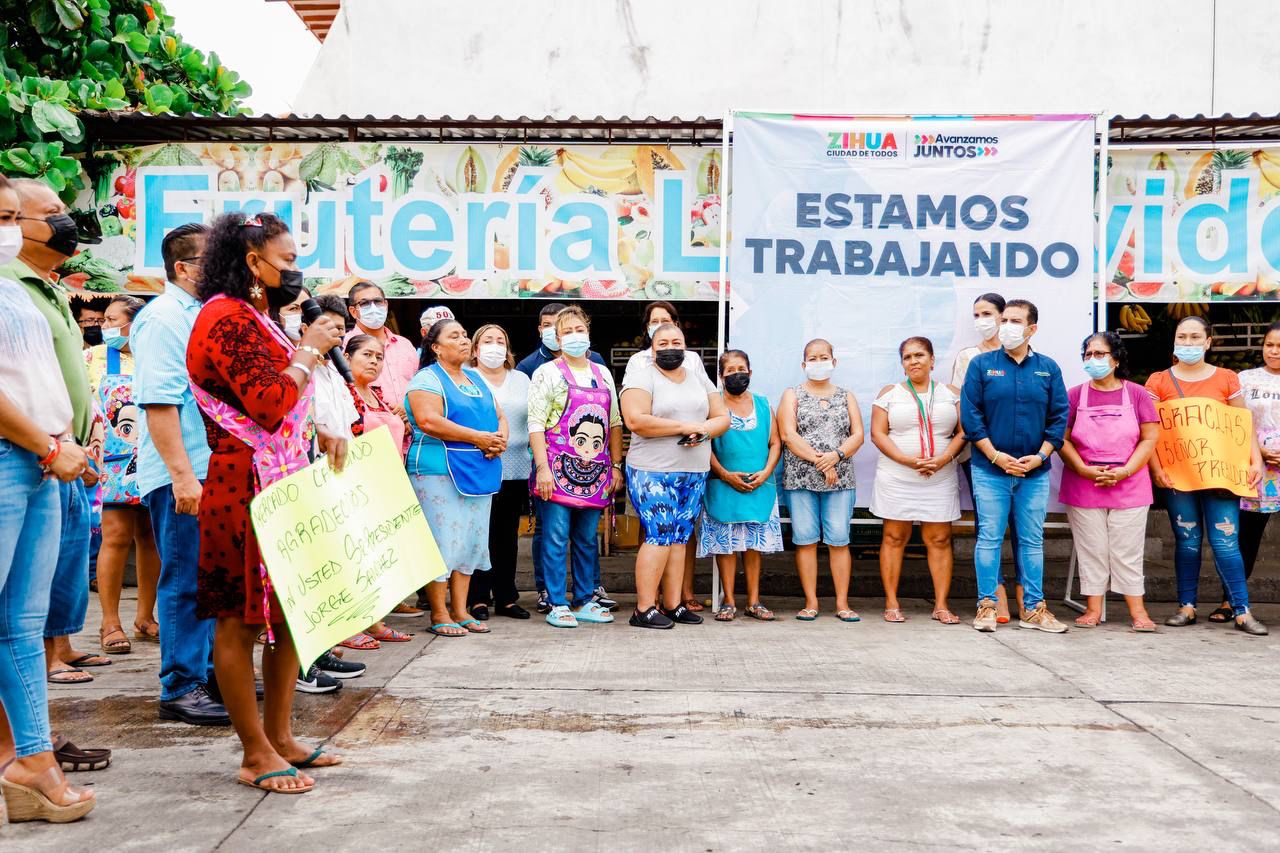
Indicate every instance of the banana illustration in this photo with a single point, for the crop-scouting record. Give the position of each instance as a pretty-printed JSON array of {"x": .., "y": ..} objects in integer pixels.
[
  {"x": 1268, "y": 163},
  {"x": 586, "y": 181},
  {"x": 601, "y": 168}
]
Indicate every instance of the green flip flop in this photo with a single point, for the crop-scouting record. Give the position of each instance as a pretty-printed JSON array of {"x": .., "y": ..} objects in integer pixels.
[
  {"x": 309, "y": 760},
  {"x": 434, "y": 629},
  {"x": 257, "y": 783},
  {"x": 481, "y": 629}
]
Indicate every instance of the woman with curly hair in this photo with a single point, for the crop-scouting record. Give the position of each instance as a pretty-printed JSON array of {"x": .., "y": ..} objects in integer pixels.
[
  {"x": 254, "y": 389},
  {"x": 575, "y": 432},
  {"x": 1111, "y": 431}
]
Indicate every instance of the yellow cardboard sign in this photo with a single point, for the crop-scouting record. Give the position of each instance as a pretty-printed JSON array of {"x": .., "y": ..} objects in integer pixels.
[
  {"x": 1205, "y": 444},
  {"x": 343, "y": 549}
]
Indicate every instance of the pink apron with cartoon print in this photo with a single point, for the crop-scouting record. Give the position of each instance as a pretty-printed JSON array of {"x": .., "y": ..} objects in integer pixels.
[{"x": 578, "y": 445}]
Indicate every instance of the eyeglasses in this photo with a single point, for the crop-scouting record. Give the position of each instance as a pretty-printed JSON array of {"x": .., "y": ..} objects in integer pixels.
[
  {"x": 1094, "y": 353},
  {"x": 192, "y": 260},
  {"x": 371, "y": 303}
]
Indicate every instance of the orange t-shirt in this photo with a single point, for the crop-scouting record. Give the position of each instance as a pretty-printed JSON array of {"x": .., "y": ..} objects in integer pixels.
[{"x": 1223, "y": 386}]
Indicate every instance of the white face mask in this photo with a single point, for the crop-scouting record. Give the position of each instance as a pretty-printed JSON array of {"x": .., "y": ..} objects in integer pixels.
[
  {"x": 491, "y": 356},
  {"x": 373, "y": 317},
  {"x": 10, "y": 242},
  {"x": 653, "y": 328},
  {"x": 987, "y": 327},
  {"x": 1012, "y": 335},
  {"x": 292, "y": 326},
  {"x": 819, "y": 370}
]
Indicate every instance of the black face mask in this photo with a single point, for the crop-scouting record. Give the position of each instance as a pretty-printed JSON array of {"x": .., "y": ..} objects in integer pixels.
[
  {"x": 289, "y": 290},
  {"x": 92, "y": 335},
  {"x": 65, "y": 237},
  {"x": 736, "y": 383},
  {"x": 669, "y": 359}
]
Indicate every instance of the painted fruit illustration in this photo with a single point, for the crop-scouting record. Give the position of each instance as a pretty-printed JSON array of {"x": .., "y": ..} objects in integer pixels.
[
  {"x": 709, "y": 173},
  {"x": 524, "y": 155},
  {"x": 605, "y": 289},
  {"x": 1206, "y": 173},
  {"x": 650, "y": 159},
  {"x": 598, "y": 175},
  {"x": 1268, "y": 163},
  {"x": 455, "y": 285},
  {"x": 1145, "y": 289},
  {"x": 470, "y": 175}
]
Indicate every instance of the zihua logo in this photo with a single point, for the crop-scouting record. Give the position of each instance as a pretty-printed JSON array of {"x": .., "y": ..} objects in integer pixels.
[
  {"x": 864, "y": 144},
  {"x": 956, "y": 147}
]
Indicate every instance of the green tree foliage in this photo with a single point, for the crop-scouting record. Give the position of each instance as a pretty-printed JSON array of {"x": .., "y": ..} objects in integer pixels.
[{"x": 64, "y": 56}]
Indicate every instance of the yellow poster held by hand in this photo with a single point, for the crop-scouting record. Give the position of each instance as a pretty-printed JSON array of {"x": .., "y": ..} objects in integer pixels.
[
  {"x": 343, "y": 549},
  {"x": 1205, "y": 444}
]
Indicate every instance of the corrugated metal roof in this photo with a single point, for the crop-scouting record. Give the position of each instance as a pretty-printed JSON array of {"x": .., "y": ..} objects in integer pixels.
[{"x": 134, "y": 128}]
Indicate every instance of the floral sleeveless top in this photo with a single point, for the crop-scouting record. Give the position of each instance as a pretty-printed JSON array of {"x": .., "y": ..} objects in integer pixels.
[{"x": 824, "y": 423}]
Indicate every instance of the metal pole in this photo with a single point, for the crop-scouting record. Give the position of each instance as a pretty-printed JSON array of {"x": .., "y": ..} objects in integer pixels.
[
  {"x": 722, "y": 295},
  {"x": 1100, "y": 321}
]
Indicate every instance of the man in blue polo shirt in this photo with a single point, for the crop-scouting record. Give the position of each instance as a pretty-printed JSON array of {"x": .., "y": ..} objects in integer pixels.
[
  {"x": 1014, "y": 410},
  {"x": 173, "y": 459}
]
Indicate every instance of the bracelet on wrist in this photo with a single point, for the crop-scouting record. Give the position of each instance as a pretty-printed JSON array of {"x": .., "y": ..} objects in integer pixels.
[
  {"x": 55, "y": 447},
  {"x": 306, "y": 371}
]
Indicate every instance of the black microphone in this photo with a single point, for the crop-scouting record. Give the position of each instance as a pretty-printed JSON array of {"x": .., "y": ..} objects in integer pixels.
[{"x": 311, "y": 312}]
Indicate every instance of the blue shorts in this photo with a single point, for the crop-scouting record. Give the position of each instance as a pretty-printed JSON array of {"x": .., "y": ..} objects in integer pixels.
[{"x": 820, "y": 516}]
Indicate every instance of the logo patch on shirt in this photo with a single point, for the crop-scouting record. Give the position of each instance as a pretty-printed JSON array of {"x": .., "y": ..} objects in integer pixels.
[
  {"x": 1041, "y": 373},
  {"x": 991, "y": 371}
]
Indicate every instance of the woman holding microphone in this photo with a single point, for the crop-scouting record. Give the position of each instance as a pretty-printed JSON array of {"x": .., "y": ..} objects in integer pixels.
[{"x": 255, "y": 392}]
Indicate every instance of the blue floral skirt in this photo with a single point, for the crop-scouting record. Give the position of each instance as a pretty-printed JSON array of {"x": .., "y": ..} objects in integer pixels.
[
  {"x": 719, "y": 537},
  {"x": 460, "y": 524},
  {"x": 667, "y": 503}
]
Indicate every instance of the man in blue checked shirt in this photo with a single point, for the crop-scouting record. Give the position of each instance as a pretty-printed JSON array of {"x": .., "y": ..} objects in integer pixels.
[
  {"x": 1014, "y": 410},
  {"x": 173, "y": 459}
]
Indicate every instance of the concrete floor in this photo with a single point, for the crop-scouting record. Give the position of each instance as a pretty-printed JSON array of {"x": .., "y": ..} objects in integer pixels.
[{"x": 746, "y": 736}]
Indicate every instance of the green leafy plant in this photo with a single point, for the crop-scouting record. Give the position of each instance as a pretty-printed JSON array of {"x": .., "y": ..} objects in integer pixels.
[{"x": 65, "y": 56}]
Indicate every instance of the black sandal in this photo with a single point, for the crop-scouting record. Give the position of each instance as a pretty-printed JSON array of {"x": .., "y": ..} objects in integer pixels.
[
  {"x": 511, "y": 611},
  {"x": 1222, "y": 615},
  {"x": 480, "y": 612},
  {"x": 73, "y": 759}
]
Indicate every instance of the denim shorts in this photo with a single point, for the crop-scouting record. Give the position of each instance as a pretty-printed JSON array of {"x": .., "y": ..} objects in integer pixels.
[{"x": 821, "y": 516}]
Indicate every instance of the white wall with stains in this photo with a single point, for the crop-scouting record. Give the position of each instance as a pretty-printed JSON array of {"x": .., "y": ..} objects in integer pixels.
[{"x": 698, "y": 57}]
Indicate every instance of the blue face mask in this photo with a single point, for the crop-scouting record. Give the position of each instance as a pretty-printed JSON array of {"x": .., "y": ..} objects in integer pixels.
[
  {"x": 549, "y": 339},
  {"x": 114, "y": 338},
  {"x": 1190, "y": 354},
  {"x": 576, "y": 344},
  {"x": 1097, "y": 368}
]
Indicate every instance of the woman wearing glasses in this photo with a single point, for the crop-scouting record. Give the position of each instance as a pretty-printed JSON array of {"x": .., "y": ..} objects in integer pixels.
[
  {"x": 368, "y": 306},
  {"x": 1111, "y": 431}
]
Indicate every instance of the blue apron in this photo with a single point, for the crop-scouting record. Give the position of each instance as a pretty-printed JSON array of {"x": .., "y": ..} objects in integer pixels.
[
  {"x": 472, "y": 474},
  {"x": 742, "y": 450}
]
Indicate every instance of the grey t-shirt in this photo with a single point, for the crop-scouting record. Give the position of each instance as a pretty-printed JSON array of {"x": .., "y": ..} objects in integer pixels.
[{"x": 682, "y": 401}]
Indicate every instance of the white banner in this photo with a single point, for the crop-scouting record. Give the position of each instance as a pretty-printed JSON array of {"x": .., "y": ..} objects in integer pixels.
[{"x": 866, "y": 231}]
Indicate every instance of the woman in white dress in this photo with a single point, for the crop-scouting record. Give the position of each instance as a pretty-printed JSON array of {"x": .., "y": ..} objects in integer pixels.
[{"x": 916, "y": 426}]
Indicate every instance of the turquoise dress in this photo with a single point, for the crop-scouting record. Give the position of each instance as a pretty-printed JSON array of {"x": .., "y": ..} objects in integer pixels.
[{"x": 734, "y": 521}]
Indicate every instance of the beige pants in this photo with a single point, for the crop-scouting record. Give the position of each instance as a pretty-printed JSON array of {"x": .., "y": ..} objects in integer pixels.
[{"x": 1109, "y": 546}]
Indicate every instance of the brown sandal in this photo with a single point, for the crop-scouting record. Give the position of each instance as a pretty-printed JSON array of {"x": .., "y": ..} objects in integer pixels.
[
  {"x": 945, "y": 616},
  {"x": 144, "y": 632},
  {"x": 693, "y": 604},
  {"x": 121, "y": 646}
]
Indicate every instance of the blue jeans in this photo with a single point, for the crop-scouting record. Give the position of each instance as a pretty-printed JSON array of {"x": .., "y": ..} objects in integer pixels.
[
  {"x": 186, "y": 642},
  {"x": 1189, "y": 514},
  {"x": 967, "y": 467},
  {"x": 995, "y": 494},
  {"x": 570, "y": 532},
  {"x": 69, "y": 596},
  {"x": 30, "y": 523},
  {"x": 820, "y": 515},
  {"x": 539, "y": 566}
]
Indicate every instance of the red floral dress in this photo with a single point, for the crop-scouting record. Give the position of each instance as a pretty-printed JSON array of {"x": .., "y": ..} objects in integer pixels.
[{"x": 234, "y": 359}]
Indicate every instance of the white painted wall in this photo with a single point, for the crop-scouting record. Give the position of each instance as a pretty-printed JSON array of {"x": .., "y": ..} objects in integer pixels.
[{"x": 698, "y": 57}]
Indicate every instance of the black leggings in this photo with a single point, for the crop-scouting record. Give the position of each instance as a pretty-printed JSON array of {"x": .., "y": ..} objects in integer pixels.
[{"x": 498, "y": 585}]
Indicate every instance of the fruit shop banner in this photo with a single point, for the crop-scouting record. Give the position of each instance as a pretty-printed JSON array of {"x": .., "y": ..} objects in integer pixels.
[
  {"x": 1206, "y": 444},
  {"x": 482, "y": 221},
  {"x": 866, "y": 231},
  {"x": 1192, "y": 226}
]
